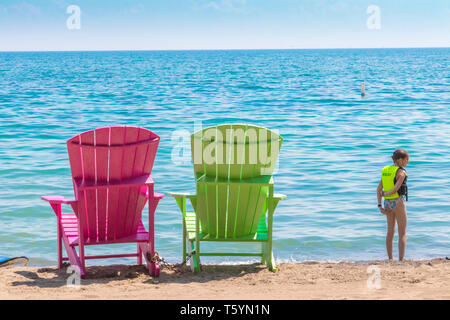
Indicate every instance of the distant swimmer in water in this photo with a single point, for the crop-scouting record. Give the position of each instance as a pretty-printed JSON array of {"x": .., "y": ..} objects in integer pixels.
[
  {"x": 393, "y": 188},
  {"x": 363, "y": 90}
]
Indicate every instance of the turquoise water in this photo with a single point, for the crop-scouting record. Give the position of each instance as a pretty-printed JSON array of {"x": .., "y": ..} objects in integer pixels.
[{"x": 335, "y": 142}]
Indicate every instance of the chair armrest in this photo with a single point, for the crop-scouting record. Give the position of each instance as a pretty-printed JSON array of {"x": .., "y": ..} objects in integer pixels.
[
  {"x": 58, "y": 200},
  {"x": 181, "y": 194},
  {"x": 279, "y": 196},
  {"x": 156, "y": 195},
  {"x": 180, "y": 198}
]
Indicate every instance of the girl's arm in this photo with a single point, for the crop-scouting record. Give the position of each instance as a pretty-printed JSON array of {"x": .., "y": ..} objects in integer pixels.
[
  {"x": 400, "y": 177},
  {"x": 379, "y": 196},
  {"x": 380, "y": 192}
]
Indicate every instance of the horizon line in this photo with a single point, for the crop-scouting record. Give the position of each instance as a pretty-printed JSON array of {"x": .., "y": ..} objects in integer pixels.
[{"x": 223, "y": 49}]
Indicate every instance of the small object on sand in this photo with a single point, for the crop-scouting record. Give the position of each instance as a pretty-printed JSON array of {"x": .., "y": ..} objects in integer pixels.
[
  {"x": 131, "y": 275},
  {"x": 363, "y": 90},
  {"x": 5, "y": 261},
  {"x": 447, "y": 258}
]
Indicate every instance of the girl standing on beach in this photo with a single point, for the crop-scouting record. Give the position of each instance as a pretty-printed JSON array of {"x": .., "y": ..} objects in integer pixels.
[{"x": 393, "y": 188}]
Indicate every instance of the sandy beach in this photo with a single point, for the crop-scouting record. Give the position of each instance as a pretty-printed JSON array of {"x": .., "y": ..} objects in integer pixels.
[{"x": 427, "y": 279}]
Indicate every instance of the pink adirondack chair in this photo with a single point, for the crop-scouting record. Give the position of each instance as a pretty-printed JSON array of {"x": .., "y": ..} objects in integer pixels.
[{"x": 111, "y": 172}]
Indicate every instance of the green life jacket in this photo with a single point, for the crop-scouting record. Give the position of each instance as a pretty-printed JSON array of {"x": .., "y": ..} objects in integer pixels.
[{"x": 388, "y": 177}]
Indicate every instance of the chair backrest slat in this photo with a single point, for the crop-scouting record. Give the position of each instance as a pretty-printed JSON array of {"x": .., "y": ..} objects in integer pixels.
[
  {"x": 125, "y": 206},
  {"x": 143, "y": 162},
  {"x": 102, "y": 167},
  {"x": 88, "y": 166}
]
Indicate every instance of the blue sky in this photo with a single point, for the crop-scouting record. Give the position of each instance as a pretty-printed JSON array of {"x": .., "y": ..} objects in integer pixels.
[{"x": 29, "y": 25}]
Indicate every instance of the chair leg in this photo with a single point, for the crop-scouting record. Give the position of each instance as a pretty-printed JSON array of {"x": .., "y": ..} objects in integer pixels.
[
  {"x": 271, "y": 208},
  {"x": 194, "y": 260},
  {"x": 152, "y": 204},
  {"x": 82, "y": 260},
  {"x": 270, "y": 259},
  {"x": 149, "y": 253},
  {"x": 191, "y": 257},
  {"x": 60, "y": 254},
  {"x": 74, "y": 258},
  {"x": 154, "y": 267},
  {"x": 183, "y": 259},
  {"x": 197, "y": 245},
  {"x": 139, "y": 253},
  {"x": 59, "y": 235},
  {"x": 263, "y": 253}
]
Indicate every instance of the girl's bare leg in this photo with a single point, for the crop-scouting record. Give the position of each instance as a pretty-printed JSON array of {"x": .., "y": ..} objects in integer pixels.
[
  {"x": 390, "y": 216},
  {"x": 400, "y": 216}
]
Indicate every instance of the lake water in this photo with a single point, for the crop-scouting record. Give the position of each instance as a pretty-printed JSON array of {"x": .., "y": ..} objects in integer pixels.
[{"x": 335, "y": 141}]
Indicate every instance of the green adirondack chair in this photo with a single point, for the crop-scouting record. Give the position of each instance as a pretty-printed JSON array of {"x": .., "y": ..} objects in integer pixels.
[{"x": 234, "y": 200}]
